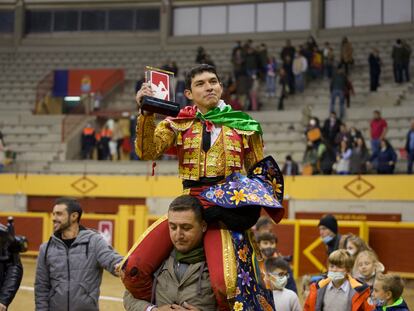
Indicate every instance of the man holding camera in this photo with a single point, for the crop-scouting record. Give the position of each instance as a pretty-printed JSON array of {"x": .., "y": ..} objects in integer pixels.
[{"x": 11, "y": 269}]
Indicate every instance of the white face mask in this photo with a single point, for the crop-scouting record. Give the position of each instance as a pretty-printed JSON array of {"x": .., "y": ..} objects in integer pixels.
[
  {"x": 336, "y": 276},
  {"x": 278, "y": 282},
  {"x": 351, "y": 252}
]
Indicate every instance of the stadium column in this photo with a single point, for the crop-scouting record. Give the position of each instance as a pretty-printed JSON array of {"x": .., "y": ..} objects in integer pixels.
[
  {"x": 19, "y": 22},
  {"x": 165, "y": 22},
  {"x": 317, "y": 16}
]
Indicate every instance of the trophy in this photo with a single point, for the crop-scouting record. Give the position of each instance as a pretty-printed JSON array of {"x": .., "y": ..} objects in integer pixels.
[{"x": 162, "y": 102}]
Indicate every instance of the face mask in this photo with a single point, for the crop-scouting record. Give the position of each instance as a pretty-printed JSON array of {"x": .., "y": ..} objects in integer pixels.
[
  {"x": 336, "y": 276},
  {"x": 377, "y": 302},
  {"x": 327, "y": 239},
  {"x": 278, "y": 282},
  {"x": 268, "y": 251},
  {"x": 312, "y": 122},
  {"x": 351, "y": 252}
]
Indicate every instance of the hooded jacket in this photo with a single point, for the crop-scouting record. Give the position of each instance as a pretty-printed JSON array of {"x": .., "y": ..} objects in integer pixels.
[
  {"x": 398, "y": 305},
  {"x": 68, "y": 279},
  {"x": 360, "y": 294}
]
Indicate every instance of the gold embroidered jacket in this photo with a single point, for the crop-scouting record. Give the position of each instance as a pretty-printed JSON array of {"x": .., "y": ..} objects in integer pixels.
[{"x": 232, "y": 150}]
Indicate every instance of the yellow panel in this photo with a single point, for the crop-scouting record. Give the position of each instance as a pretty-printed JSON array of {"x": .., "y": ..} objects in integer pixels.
[{"x": 369, "y": 187}]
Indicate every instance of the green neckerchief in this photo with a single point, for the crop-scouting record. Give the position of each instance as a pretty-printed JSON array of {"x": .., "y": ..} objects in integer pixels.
[
  {"x": 396, "y": 303},
  {"x": 194, "y": 256},
  {"x": 231, "y": 118}
]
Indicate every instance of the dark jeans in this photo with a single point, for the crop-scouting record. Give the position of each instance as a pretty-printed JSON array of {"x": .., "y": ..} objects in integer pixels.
[
  {"x": 398, "y": 70},
  {"x": 374, "y": 81},
  {"x": 334, "y": 95},
  {"x": 405, "y": 72},
  {"x": 410, "y": 158}
]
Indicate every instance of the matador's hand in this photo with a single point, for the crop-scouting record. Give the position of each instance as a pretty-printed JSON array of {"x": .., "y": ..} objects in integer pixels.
[{"x": 145, "y": 90}]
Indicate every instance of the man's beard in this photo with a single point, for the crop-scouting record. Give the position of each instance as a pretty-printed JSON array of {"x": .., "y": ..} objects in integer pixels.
[{"x": 63, "y": 227}]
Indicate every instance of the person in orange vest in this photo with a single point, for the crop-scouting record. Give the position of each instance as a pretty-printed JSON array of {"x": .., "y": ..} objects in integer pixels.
[
  {"x": 88, "y": 141},
  {"x": 106, "y": 137},
  {"x": 339, "y": 291}
]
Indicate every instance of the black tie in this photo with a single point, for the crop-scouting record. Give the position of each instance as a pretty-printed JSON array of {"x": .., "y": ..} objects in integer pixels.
[{"x": 206, "y": 138}]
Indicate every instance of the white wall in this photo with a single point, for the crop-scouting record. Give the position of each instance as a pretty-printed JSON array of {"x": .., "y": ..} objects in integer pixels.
[
  {"x": 367, "y": 12},
  {"x": 242, "y": 18},
  {"x": 397, "y": 11},
  {"x": 338, "y": 13},
  {"x": 213, "y": 20},
  {"x": 348, "y": 13}
]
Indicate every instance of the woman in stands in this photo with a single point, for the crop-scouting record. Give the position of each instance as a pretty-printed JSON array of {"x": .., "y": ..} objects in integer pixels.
[
  {"x": 359, "y": 157},
  {"x": 386, "y": 158}
]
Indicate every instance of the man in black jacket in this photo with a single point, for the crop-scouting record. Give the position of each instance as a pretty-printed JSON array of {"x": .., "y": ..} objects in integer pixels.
[{"x": 11, "y": 269}]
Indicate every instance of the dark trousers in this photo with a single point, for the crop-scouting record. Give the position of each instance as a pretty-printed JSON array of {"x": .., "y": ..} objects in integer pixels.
[
  {"x": 410, "y": 159},
  {"x": 398, "y": 70},
  {"x": 374, "y": 81},
  {"x": 405, "y": 71}
]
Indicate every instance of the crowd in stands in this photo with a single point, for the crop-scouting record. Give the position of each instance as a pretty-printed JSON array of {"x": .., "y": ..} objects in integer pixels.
[
  {"x": 355, "y": 278},
  {"x": 111, "y": 141},
  {"x": 334, "y": 148}
]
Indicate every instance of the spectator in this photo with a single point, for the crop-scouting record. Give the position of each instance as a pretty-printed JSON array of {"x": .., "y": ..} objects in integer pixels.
[
  {"x": 375, "y": 64},
  {"x": 379, "y": 129},
  {"x": 359, "y": 157},
  {"x": 117, "y": 139},
  {"x": 311, "y": 43},
  {"x": 69, "y": 266},
  {"x": 349, "y": 90},
  {"x": 88, "y": 141},
  {"x": 262, "y": 60},
  {"x": 342, "y": 135},
  {"x": 328, "y": 231},
  {"x": 347, "y": 58},
  {"x": 409, "y": 147},
  {"x": 264, "y": 224},
  {"x": 271, "y": 70},
  {"x": 253, "y": 94},
  {"x": 287, "y": 55},
  {"x": 251, "y": 61},
  {"x": 201, "y": 55},
  {"x": 11, "y": 268},
  {"x": 339, "y": 291},
  {"x": 316, "y": 64},
  {"x": 103, "y": 143},
  {"x": 310, "y": 160},
  {"x": 267, "y": 242},
  {"x": 406, "y": 61},
  {"x": 237, "y": 60},
  {"x": 290, "y": 168},
  {"x": 277, "y": 271},
  {"x": 354, "y": 134},
  {"x": 343, "y": 158},
  {"x": 328, "y": 60},
  {"x": 367, "y": 266},
  {"x": 300, "y": 66},
  {"x": 337, "y": 88},
  {"x": 385, "y": 158},
  {"x": 353, "y": 244},
  {"x": 398, "y": 56},
  {"x": 387, "y": 293},
  {"x": 183, "y": 281},
  {"x": 326, "y": 157},
  {"x": 283, "y": 81},
  {"x": 331, "y": 128}
]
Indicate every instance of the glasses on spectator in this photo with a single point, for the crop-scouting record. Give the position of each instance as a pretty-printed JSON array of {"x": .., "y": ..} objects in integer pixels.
[{"x": 280, "y": 274}]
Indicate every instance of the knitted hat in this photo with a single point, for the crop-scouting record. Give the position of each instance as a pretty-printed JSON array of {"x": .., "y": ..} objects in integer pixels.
[{"x": 329, "y": 222}]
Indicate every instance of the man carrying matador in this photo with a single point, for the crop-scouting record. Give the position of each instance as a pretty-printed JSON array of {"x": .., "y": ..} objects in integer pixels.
[{"x": 220, "y": 159}]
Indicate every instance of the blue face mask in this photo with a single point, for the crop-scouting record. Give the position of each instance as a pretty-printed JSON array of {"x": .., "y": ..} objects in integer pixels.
[
  {"x": 327, "y": 239},
  {"x": 377, "y": 302}
]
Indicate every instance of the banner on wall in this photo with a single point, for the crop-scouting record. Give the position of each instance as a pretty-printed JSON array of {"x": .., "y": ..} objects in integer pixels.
[{"x": 105, "y": 227}]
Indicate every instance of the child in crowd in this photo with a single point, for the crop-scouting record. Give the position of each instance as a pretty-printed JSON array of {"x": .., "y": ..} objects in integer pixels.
[
  {"x": 367, "y": 266},
  {"x": 278, "y": 275},
  {"x": 267, "y": 243},
  {"x": 339, "y": 291},
  {"x": 388, "y": 289},
  {"x": 353, "y": 244}
]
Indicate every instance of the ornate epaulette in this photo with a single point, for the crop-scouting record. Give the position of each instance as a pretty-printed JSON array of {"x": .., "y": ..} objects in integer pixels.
[
  {"x": 242, "y": 132},
  {"x": 180, "y": 125}
]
